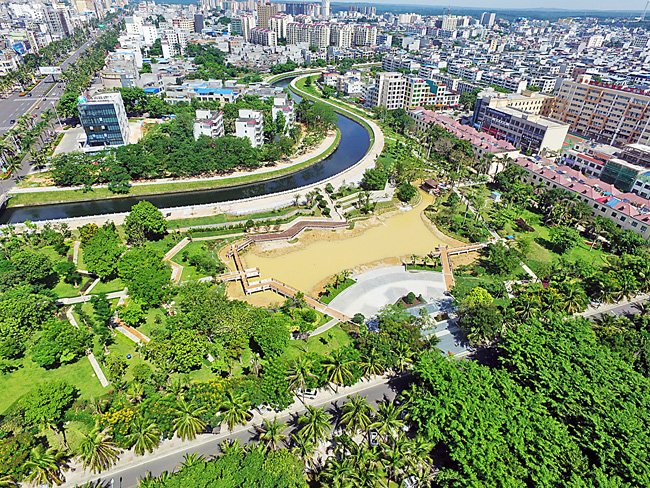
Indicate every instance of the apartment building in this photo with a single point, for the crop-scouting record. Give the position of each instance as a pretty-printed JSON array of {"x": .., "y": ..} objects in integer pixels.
[
  {"x": 174, "y": 42},
  {"x": 513, "y": 84},
  {"x": 611, "y": 114},
  {"x": 264, "y": 13},
  {"x": 208, "y": 123},
  {"x": 264, "y": 37},
  {"x": 365, "y": 35},
  {"x": 243, "y": 24},
  {"x": 627, "y": 210},
  {"x": 388, "y": 91},
  {"x": 524, "y": 130},
  {"x": 532, "y": 102},
  {"x": 279, "y": 24},
  {"x": 341, "y": 35},
  {"x": 184, "y": 24},
  {"x": 283, "y": 104},
  {"x": 416, "y": 92},
  {"x": 393, "y": 63},
  {"x": 317, "y": 35},
  {"x": 250, "y": 124}
]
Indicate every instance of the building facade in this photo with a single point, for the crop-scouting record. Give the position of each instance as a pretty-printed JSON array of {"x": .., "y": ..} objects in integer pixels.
[
  {"x": 250, "y": 125},
  {"x": 104, "y": 121}
]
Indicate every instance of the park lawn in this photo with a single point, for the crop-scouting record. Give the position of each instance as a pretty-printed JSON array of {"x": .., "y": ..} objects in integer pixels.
[
  {"x": 108, "y": 287},
  {"x": 465, "y": 284},
  {"x": 80, "y": 259},
  {"x": 123, "y": 346},
  {"x": 65, "y": 290},
  {"x": 328, "y": 298},
  {"x": 74, "y": 432},
  {"x": 165, "y": 244},
  {"x": 322, "y": 344},
  {"x": 150, "y": 322},
  {"x": 16, "y": 384}
]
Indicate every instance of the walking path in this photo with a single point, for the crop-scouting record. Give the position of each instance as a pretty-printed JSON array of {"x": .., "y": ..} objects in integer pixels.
[
  {"x": 98, "y": 370},
  {"x": 324, "y": 327},
  {"x": 602, "y": 309}
]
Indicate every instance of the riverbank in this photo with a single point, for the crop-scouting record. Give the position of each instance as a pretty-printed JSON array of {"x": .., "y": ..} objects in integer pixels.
[{"x": 44, "y": 196}]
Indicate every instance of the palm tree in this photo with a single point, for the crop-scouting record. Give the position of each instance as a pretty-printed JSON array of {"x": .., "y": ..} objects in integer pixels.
[
  {"x": 44, "y": 466},
  {"x": 338, "y": 474},
  {"x": 231, "y": 447},
  {"x": 144, "y": 437},
  {"x": 235, "y": 409},
  {"x": 192, "y": 459},
  {"x": 97, "y": 451},
  {"x": 371, "y": 364},
  {"x": 271, "y": 433},
  {"x": 337, "y": 367},
  {"x": 305, "y": 449},
  {"x": 298, "y": 375},
  {"x": 8, "y": 481},
  {"x": 574, "y": 300},
  {"x": 357, "y": 414},
  {"x": 135, "y": 391},
  {"x": 626, "y": 284},
  {"x": 387, "y": 422},
  {"x": 188, "y": 422},
  {"x": 316, "y": 423},
  {"x": 403, "y": 356}
]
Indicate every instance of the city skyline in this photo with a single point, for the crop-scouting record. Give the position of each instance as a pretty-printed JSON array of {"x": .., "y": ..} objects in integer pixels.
[{"x": 589, "y": 5}]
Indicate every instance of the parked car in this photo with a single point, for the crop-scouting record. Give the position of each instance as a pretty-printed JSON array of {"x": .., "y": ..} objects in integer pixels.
[
  {"x": 262, "y": 409},
  {"x": 12, "y": 121},
  {"x": 307, "y": 393}
]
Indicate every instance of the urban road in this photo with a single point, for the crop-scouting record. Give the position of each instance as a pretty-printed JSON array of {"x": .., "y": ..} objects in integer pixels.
[
  {"x": 15, "y": 106},
  {"x": 208, "y": 444}
]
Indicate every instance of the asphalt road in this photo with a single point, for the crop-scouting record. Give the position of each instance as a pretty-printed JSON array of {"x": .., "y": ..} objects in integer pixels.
[
  {"x": 14, "y": 106},
  {"x": 621, "y": 310},
  {"x": 128, "y": 477}
]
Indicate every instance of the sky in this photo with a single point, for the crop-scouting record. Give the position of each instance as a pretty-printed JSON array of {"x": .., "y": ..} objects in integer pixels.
[{"x": 519, "y": 4}]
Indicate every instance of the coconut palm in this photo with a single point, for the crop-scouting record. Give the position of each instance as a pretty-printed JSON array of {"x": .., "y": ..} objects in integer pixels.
[
  {"x": 305, "y": 449},
  {"x": 235, "y": 409},
  {"x": 188, "y": 423},
  {"x": 357, "y": 414},
  {"x": 298, "y": 375},
  {"x": 337, "y": 474},
  {"x": 316, "y": 423},
  {"x": 135, "y": 391},
  {"x": 193, "y": 459},
  {"x": 403, "y": 356},
  {"x": 97, "y": 451},
  {"x": 271, "y": 433},
  {"x": 371, "y": 365},
  {"x": 574, "y": 300},
  {"x": 8, "y": 481},
  {"x": 626, "y": 284},
  {"x": 144, "y": 436},
  {"x": 231, "y": 447},
  {"x": 44, "y": 466},
  {"x": 387, "y": 422},
  {"x": 337, "y": 367}
]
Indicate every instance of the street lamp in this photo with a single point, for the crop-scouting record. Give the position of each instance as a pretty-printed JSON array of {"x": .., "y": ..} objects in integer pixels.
[{"x": 57, "y": 115}]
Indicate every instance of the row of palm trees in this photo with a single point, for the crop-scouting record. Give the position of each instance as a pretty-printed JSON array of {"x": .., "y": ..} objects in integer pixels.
[{"x": 15, "y": 142}]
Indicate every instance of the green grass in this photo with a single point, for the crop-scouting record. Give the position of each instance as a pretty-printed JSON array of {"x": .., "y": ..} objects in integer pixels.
[
  {"x": 16, "y": 384},
  {"x": 328, "y": 298},
  {"x": 109, "y": 287},
  {"x": 64, "y": 290},
  {"x": 170, "y": 187},
  {"x": 323, "y": 344},
  {"x": 225, "y": 218},
  {"x": 421, "y": 267}
]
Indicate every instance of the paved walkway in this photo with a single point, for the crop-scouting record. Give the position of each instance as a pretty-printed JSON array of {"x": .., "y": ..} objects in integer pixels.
[
  {"x": 324, "y": 327},
  {"x": 98, "y": 370},
  {"x": 377, "y": 288},
  {"x": 86, "y": 298}
]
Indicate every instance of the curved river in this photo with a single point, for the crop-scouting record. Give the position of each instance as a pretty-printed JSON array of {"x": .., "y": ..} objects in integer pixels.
[{"x": 354, "y": 144}]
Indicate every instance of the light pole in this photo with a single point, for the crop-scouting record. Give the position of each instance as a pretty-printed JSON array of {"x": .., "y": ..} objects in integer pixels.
[{"x": 57, "y": 115}]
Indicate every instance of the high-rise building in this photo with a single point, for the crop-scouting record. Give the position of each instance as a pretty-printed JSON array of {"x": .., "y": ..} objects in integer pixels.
[
  {"x": 264, "y": 37},
  {"x": 341, "y": 35},
  {"x": 243, "y": 25},
  {"x": 264, "y": 13},
  {"x": 488, "y": 19},
  {"x": 279, "y": 24},
  {"x": 607, "y": 113},
  {"x": 198, "y": 23},
  {"x": 104, "y": 121},
  {"x": 325, "y": 9},
  {"x": 58, "y": 21},
  {"x": 365, "y": 35}
]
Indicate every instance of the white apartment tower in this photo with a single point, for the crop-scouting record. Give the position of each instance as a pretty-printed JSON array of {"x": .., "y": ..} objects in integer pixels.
[
  {"x": 341, "y": 35},
  {"x": 325, "y": 9},
  {"x": 250, "y": 124}
]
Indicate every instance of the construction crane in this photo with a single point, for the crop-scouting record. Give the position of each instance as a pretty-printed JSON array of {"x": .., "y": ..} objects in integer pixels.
[{"x": 642, "y": 18}]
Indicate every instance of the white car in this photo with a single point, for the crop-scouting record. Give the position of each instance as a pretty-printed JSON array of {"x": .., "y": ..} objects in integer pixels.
[{"x": 307, "y": 393}]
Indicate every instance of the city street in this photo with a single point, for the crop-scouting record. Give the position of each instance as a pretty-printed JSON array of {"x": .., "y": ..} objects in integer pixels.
[
  {"x": 14, "y": 106},
  {"x": 208, "y": 444}
]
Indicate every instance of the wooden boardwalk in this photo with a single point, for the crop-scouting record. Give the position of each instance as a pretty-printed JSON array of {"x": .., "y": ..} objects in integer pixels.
[
  {"x": 274, "y": 285},
  {"x": 297, "y": 228},
  {"x": 445, "y": 259}
]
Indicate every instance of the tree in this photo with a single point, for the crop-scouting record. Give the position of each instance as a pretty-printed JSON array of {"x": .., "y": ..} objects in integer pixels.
[
  {"x": 563, "y": 238},
  {"x": 337, "y": 367},
  {"x": 299, "y": 374},
  {"x": 388, "y": 423},
  {"x": 270, "y": 434},
  {"x": 46, "y": 403},
  {"x": 357, "y": 415},
  {"x": 144, "y": 436},
  {"x": 144, "y": 222},
  {"x": 479, "y": 296},
  {"x": 482, "y": 323},
  {"x": 188, "y": 423},
  {"x": 96, "y": 450},
  {"x": 115, "y": 368},
  {"x": 235, "y": 409},
  {"x": 272, "y": 337},
  {"x": 315, "y": 423},
  {"x": 44, "y": 466},
  {"x": 132, "y": 315},
  {"x": 145, "y": 274},
  {"x": 102, "y": 253},
  {"x": 33, "y": 266}
]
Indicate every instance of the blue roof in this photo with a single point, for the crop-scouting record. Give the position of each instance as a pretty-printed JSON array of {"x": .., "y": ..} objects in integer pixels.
[
  {"x": 216, "y": 91},
  {"x": 613, "y": 201}
]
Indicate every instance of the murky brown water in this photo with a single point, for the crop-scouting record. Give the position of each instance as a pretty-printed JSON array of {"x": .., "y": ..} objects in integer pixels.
[{"x": 402, "y": 234}]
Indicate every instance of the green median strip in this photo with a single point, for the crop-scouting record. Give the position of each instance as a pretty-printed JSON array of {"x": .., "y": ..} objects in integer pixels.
[{"x": 36, "y": 198}]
